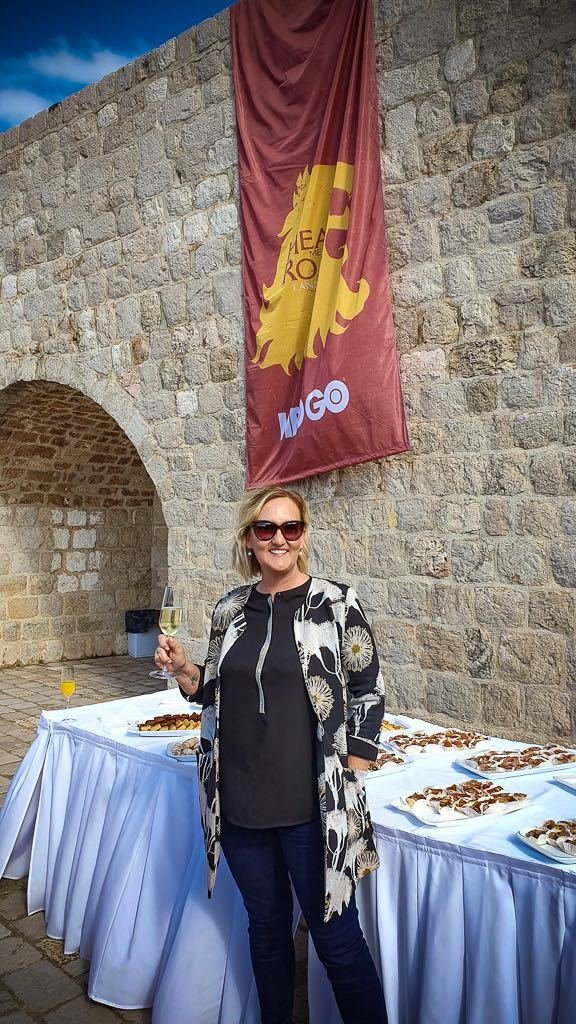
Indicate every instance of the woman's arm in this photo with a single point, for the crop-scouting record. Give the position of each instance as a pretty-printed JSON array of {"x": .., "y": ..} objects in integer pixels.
[
  {"x": 171, "y": 655},
  {"x": 365, "y": 685}
]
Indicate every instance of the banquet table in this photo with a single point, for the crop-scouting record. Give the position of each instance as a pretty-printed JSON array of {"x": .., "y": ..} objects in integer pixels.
[{"x": 466, "y": 924}]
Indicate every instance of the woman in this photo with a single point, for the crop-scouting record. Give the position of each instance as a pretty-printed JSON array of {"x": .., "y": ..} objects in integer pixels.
[{"x": 292, "y": 704}]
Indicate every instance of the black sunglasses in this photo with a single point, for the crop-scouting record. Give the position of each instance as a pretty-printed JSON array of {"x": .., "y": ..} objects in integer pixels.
[{"x": 265, "y": 530}]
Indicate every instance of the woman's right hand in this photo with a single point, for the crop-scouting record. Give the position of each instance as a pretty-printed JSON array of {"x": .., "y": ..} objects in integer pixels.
[{"x": 170, "y": 655}]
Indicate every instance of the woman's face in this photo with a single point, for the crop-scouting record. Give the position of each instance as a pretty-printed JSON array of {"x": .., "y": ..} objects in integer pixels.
[{"x": 277, "y": 556}]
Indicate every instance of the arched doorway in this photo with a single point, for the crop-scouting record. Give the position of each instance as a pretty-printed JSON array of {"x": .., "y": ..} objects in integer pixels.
[{"x": 82, "y": 534}]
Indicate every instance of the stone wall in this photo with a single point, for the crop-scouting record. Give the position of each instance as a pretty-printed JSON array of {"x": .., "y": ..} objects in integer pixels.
[{"x": 120, "y": 278}]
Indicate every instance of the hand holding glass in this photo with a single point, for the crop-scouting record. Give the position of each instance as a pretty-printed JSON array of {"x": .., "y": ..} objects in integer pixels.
[{"x": 169, "y": 622}]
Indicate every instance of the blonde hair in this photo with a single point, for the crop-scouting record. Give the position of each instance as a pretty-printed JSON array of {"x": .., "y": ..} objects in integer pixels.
[{"x": 243, "y": 560}]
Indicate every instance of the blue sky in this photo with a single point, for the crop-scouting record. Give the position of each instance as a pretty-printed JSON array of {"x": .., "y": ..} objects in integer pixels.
[{"x": 50, "y": 50}]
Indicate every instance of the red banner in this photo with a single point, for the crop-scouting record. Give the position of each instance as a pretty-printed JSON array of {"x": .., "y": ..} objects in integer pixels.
[{"x": 322, "y": 381}]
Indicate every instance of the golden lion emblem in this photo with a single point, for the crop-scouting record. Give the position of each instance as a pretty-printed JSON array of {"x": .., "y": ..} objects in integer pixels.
[{"x": 309, "y": 298}]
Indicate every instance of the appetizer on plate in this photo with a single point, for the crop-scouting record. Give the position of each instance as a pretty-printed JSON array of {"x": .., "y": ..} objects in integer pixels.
[
  {"x": 385, "y": 759},
  {"x": 433, "y": 742},
  {"x": 185, "y": 748},
  {"x": 533, "y": 758},
  {"x": 460, "y": 801},
  {"x": 171, "y": 723},
  {"x": 555, "y": 839}
]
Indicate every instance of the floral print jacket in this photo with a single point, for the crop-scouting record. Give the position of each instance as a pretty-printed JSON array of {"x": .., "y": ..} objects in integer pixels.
[{"x": 345, "y": 686}]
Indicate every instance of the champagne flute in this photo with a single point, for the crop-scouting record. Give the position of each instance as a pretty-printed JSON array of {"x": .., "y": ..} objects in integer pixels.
[
  {"x": 169, "y": 622},
  {"x": 67, "y": 683}
]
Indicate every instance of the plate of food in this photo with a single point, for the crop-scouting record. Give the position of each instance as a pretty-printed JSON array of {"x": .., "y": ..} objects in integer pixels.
[
  {"x": 184, "y": 750},
  {"x": 423, "y": 742},
  {"x": 386, "y": 763},
  {"x": 501, "y": 764},
  {"x": 460, "y": 802},
  {"x": 554, "y": 839},
  {"x": 166, "y": 725},
  {"x": 394, "y": 723}
]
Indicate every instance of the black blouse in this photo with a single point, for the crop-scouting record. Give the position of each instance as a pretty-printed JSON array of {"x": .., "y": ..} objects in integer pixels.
[{"x": 267, "y": 723}]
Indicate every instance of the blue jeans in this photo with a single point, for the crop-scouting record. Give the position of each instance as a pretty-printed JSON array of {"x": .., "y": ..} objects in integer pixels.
[{"x": 262, "y": 862}]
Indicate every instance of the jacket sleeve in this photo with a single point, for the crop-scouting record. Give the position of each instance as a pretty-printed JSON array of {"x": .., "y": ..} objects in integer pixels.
[{"x": 364, "y": 681}]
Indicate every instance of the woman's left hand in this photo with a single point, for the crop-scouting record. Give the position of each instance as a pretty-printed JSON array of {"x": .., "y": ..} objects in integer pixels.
[{"x": 358, "y": 764}]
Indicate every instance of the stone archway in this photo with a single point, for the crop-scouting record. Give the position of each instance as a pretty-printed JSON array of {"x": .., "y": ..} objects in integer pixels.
[{"x": 83, "y": 535}]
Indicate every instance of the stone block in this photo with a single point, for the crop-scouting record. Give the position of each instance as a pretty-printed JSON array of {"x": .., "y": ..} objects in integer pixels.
[
  {"x": 400, "y": 125},
  {"x": 493, "y": 137},
  {"x": 481, "y": 395},
  {"x": 535, "y": 430},
  {"x": 440, "y": 648},
  {"x": 454, "y": 697},
  {"x": 483, "y": 356},
  {"x": 474, "y": 185},
  {"x": 418, "y": 284},
  {"x": 560, "y": 302},
  {"x": 426, "y": 198},
  {"x": 510, "y": 219},
  {"x": 509, "y": 98},
  {"x": 152, "y": 181},
  {"x": 439, "y": 324},
  {"x": 419, "y": 79},
  {"x": 428, "y": 556},
  {"x": 424, "y": 32},
  {"x": 460, "y": 61},
  {"x": 474, "y": 17},
  {"x": 471, "y": 102},
  {"x": 524, "y": 562},
  {"x": 452, "y": 605},
  {"x": 568, "y": 517},
  {"x": 181, "y": 107},
  {"x": 532, "y": 658},
  {"x": 523, "y": 170},
  {"x": 416, "y": 514},
  {"x": 544, "y": 119},
  {"x": 503, "y": 707},
  {"x": 563, "y": 562},
  {"x": 211, "y": 191},
  {"x": 558, "y": 23},
  {"x": 463, "y": 233},
  {"x": 550, "y": 209},
  {"x": 500, "y": 606},
  {"x": 551, "y": 256},
  {"x": 406, "y": 600},
  {"x": 460, "y": 278},
  {"x": 446, "y": 152},
  {"x": 396, "y": 642},
  {"x": 520, "y": 40},
  {"x": 434, "y": 114},
  {"x": 479, "y": 651},
  {"x": 472, "y": 561},
  {"x": 539, "y": 348},
  {"x": 552, "y": 610}
]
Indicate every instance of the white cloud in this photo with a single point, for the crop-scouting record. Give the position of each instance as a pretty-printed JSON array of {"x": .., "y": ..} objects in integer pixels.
[
  {"x": 64, "y": 64},
  {"x": 18, "y": 104}
]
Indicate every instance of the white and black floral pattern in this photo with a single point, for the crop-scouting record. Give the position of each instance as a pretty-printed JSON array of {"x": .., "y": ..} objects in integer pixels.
[{"x": 345, "y": 687}]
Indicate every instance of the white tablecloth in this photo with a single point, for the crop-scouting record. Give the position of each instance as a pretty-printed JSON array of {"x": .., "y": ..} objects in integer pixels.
[
  {"x": 107, "y": 828},
  {"x": 465, "y": 924}
]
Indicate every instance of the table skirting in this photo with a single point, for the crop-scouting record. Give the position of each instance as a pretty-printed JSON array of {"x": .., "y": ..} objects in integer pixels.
[{"x": 466, "y": 926}]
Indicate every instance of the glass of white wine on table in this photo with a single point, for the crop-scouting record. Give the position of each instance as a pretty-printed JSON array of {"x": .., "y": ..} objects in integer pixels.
[{"x": 169, "y": 622}]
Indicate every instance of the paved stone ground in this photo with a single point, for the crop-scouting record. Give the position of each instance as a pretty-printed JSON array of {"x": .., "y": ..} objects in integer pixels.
[{"x": 39, "y": 984}]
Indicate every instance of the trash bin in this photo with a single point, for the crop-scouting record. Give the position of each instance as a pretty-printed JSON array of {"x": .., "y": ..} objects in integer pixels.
[{"x": 142, "y": 629}]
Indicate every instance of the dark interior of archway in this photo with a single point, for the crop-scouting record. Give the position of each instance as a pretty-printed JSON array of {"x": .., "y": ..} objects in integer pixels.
[{"x": 58, "y": 447}]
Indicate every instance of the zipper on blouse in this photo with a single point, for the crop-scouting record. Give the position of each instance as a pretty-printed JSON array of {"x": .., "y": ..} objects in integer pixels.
[{"x": 262, "y": 658}]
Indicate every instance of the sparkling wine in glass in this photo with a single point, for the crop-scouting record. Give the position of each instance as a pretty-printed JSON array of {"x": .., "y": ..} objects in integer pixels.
[
  {"x": 67, "y": 682},
  {"x": 170, "y": 621}
]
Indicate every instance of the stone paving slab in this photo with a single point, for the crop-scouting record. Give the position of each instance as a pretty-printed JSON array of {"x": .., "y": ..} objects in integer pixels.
[{"x": 39, "y": 983}]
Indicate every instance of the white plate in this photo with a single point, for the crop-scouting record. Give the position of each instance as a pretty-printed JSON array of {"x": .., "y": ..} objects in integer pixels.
[
  {"x": 566, "y": 780},
  {"x": 483, "y": 745},
  {"x": 494, "y": 776},
  {"x": 389, "y": 769},
  {"x": 404, "y": 725},
  {"x": 430, "y": 817},
  {"x": 547, "y": 850},
  {"x": 133, "y": 730},
  {"x": 179, "y": 757}
]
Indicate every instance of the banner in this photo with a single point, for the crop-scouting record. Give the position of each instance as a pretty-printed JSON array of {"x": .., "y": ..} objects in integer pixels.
[{"x": 322, "y": 381}]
